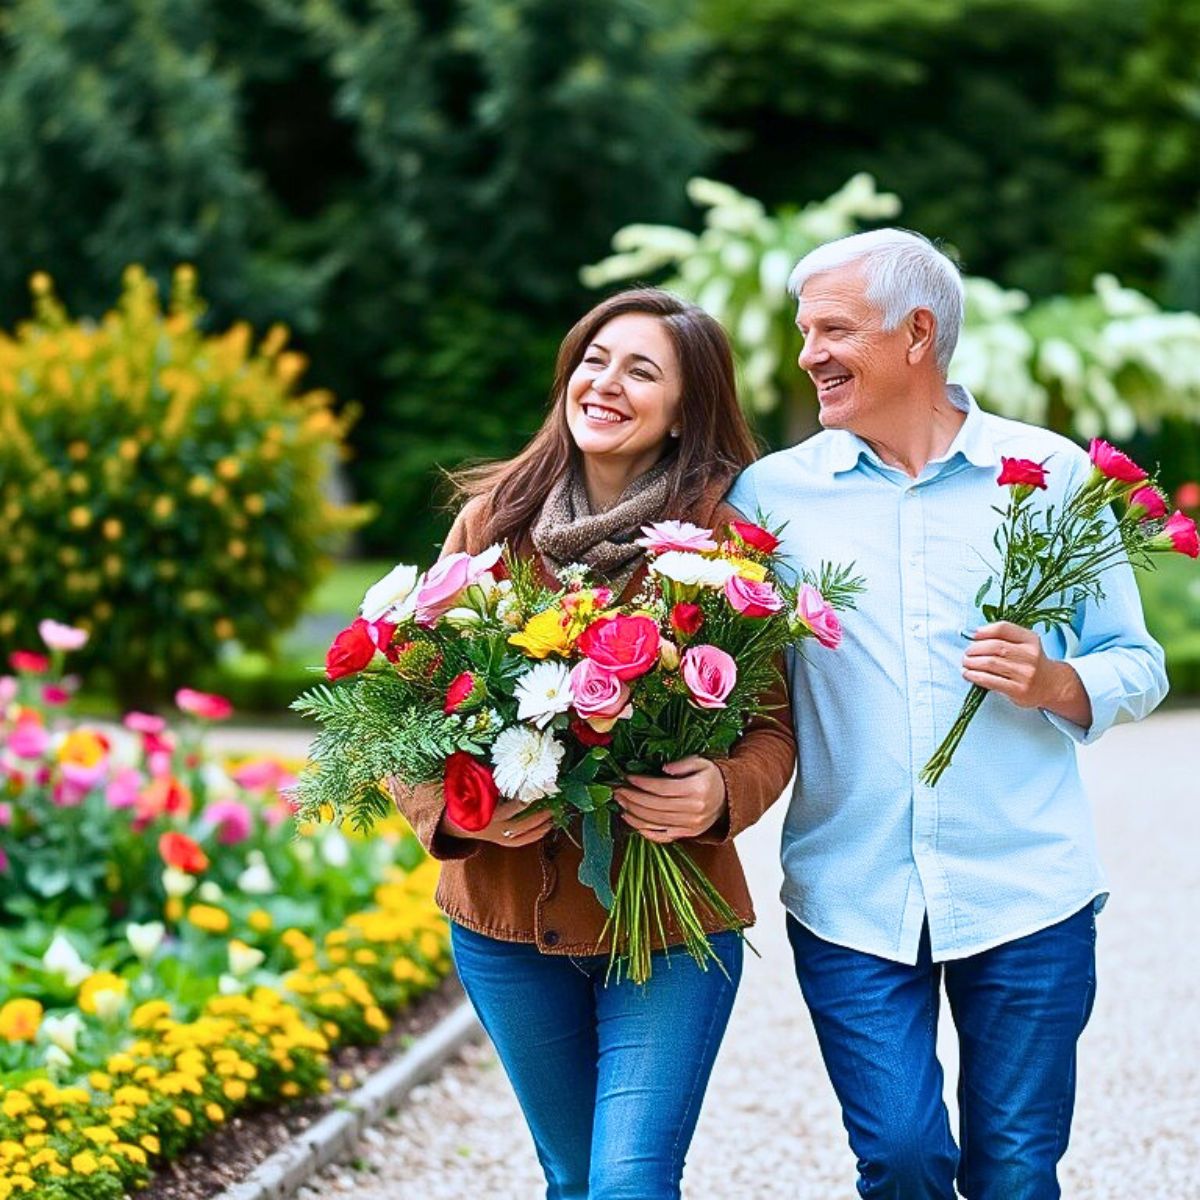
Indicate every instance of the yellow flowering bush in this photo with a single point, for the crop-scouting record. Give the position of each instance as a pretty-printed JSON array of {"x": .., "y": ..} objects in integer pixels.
[{"x": 161, "y": 487}]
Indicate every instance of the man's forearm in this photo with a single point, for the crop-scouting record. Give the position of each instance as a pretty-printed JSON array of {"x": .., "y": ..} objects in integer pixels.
[{"x": 1065, "y": 695}]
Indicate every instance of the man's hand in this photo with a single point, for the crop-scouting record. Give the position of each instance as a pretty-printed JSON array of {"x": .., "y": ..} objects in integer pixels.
[
  {"x": 686, "y": 800},
  {"x": 1008, "y": 659},
  {"x": 507, "y": 827}
]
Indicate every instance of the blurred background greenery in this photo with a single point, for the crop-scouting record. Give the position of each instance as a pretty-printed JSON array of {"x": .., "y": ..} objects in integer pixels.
[{"x": 415, "y": 188}]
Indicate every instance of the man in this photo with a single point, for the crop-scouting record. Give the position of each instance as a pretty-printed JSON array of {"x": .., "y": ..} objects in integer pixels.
[{"x": 990, "y": 880}]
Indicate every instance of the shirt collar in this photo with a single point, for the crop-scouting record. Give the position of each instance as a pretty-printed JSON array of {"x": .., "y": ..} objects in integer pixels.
[{"x": 973, "y": 440}]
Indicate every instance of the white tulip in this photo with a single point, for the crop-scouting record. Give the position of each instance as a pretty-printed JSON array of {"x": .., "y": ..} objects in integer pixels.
[
  {"x": 243, "y": 959},
  {"x": 63, "y": 1031},
  {"x": 108, "y": 1002},
  {"x": 63, "y": 958},
  {"x": 145, "y": 939},
  {"x": 177, "y": 883},
  {"x": 335, "y": 850},
  {"x": 57, "y": 1061},
  {"x": 256, "y": 880},
  {"x": 210, "y": 892}
]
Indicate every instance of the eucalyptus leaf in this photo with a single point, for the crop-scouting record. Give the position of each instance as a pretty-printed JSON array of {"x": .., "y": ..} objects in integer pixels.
[{"x": 595, "y": 871}]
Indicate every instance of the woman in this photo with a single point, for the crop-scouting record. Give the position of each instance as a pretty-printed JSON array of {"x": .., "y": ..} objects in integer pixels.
[{"x": 644, "y": 426}]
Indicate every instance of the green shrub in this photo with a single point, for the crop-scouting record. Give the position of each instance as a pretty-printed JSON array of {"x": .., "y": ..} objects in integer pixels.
[{"x": 160, "y": 487}]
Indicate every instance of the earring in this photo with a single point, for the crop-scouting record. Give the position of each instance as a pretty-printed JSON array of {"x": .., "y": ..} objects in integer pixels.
[{"x": 675, "y": 431}]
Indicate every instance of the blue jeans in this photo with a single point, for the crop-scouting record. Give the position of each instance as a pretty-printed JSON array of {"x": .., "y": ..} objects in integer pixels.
[
  {"x": 610, "y": 1079},
  {"x": 1019, "y": 1010}
]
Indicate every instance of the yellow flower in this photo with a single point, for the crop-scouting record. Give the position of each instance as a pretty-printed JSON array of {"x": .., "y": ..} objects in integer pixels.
[
  {"x": 20, "y": 1020},
  {"x": 84, "y": 1163},
  {"x": 150, "y": 1143},
  {"x": 543, "y": 635},
  {"x": 215, "y": 1113},
  {"x": 100, "y": 981},
  {"x": 208, "y": 918},
  {"x": 260, "y": 920},
  {"x": 747, "y": 568}
]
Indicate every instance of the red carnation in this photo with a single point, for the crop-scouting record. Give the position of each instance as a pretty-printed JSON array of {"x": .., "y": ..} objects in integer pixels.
[
  {"x": 1021, "y": 472},
  {"x": 179, "y": 851},
  {"x": 461, "y": 687},
  {"x": 625, "y": 646},
  {"x": 589, "y": 736},
  {"x": 755, "y": 536},
  {"x": 470, "y": 792},
  {"x": 28, "y": 660},
  {"x": 1110, "y": 462},
  {"x": 351, "y": 651},
  {"x": 686, "y": 619}
]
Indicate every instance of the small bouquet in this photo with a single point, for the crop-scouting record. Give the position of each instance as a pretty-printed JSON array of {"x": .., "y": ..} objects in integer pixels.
[
  {"x": 1053, "y": 559},
  {"x": 476, "y": 676}
]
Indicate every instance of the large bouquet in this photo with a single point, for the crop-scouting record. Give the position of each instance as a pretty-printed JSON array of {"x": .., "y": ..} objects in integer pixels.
[
  {"x": 1052, "y": 559},
  {"x": 477, "y": 676}
]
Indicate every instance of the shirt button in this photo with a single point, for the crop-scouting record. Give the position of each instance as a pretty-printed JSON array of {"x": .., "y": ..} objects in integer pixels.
[{"x": 551, "y": 937}]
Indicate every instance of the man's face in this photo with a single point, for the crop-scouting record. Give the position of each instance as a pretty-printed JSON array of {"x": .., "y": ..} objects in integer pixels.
[{"x": 858, "y": 369}]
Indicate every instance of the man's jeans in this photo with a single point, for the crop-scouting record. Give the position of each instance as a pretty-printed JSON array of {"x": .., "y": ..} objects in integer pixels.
[
  {"x": 610, "y": 1078},
  {"x": 1019, "y": 1010}
]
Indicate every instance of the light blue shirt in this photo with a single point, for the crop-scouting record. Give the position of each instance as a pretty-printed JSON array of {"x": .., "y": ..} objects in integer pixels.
[{"x": 1004, "y": 845}]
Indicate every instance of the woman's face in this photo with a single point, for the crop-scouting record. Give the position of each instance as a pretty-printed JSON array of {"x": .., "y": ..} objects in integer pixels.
[{"x": 624, "y": 396}]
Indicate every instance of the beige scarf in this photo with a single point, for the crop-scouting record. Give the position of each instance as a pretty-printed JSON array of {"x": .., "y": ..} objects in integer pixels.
[{"x": 567, "y": 531}]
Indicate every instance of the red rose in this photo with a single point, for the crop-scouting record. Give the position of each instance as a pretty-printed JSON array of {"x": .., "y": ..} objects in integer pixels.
[
  {"x": 625, "y": 646},
  {"x": 755, "y": 536},
  {"x": 1110, "y": 462},
  {"x": 461, "y": 686},
  {"x": 470, "y": 792},
  {"x": 589, "y": 736},
  {"x": 1022, "y": 472},
  {"x": 27, "y": 660},
  {"x": 351, "y": 651},
  {"x": 179, "y": 851},
  {"x": 686, "y": 619}
]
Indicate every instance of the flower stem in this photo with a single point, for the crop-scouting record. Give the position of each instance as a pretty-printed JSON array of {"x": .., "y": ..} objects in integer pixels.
[{"x": 936, "y": 766}]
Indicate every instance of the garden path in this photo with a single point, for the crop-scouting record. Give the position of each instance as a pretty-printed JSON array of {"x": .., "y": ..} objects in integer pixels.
[{"x": 770, "y": 1127}]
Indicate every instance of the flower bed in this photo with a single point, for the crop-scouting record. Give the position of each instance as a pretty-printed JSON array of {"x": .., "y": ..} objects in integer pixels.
[{"x": 172, "y": 952}]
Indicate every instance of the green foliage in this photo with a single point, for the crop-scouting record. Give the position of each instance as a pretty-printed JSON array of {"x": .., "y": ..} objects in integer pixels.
[{"x": 161, "y": 488}]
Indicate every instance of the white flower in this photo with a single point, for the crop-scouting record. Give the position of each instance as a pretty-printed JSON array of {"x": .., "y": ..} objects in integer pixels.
[
  {"x": 335, "y": 850},
  {"x": 543, "y": 692},
  {"x": 526, "y": 763},
  {"x": 461, "y": 617},
  {"x": 57, "y": 1061},
  {"x": 257, "y": 880},
  {"x": 228, "y": 985},
  {"x": 58, "y": 636},
  {"x": 64, "y": 958},
  {"x": 243, "y": 959},
  {"x": 176, "y": 882},
  {"x": 64, "y": 1031},
  {"x": 692, "y": 569},
  {"x": 210, "y": 892},
  {"x": 108, "y": 1002},
  {"x": 145, "y": 939},
  {"x": 389, "y": 593}
]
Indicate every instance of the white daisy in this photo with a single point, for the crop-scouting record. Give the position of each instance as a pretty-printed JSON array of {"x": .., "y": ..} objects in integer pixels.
[
  {"x": 543, "y": 692},
  {"x": 526, "y": 763}
]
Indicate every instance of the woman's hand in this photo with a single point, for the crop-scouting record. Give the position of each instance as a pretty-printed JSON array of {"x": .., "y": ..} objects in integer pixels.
[
  {"x": 506, "y": 828},
  {"x": 685, "y": 801}
]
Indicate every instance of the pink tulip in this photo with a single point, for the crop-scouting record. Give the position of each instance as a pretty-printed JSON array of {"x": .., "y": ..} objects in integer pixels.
[
  {"x": 62, "y": 637},
  {"x": 232, "y": 820},
  {"x": 441, "y": 586},
  {"x": 710, "y": 675},
  {"x": 205, "y": 705},
  {"x": 752, "y": 599},
  {"x": 815, "y": 614}
]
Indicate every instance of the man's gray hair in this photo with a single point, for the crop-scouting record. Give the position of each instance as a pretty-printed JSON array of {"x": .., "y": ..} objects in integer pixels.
[{"x": 903, "y": 271}]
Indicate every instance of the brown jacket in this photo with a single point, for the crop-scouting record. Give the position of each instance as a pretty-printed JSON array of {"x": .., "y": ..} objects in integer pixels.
[{"x": 532, "y": 893}]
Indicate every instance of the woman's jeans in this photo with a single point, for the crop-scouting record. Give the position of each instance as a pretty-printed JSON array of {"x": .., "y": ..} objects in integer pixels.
[
  {"x": 1019, "y": 1009},
  {"x": 610, "y": 1078}
]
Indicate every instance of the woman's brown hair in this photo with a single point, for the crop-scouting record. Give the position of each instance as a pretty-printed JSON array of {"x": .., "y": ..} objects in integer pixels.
[{"x": 714, "y": 444}]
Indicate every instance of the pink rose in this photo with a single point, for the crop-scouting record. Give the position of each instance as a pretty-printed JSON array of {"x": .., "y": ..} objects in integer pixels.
[
  {"x": 626, "y": 646},
  {"x": 675, "y": 535},
  {"x": 752, "y": 599},
  {"x": 62, "y": 637},
  {"x": 232, "y": 820},
  {"x": 600, "y": 697},
  {"x": 206, "y": 705},
  {"x": 710, "y": 674},
  {"x": 814, "y": 613},
  {"x": 1110, "y": 462}
]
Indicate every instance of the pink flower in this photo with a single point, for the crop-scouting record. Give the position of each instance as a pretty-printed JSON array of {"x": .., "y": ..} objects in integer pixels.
[
  {"x": 123, "y": 788},
  {"x": 600, "y": 696},
  {"x": 3, "y": 860},
  {"x": 84, "y": 776},
  {"x": 141, "y": 722},
  {"x": 55, "y": 696},
  {"x": 675, "y": 535},
  {"x": 1188, "y": 494},
  {"x": 1111, "y": 463},
  {"x": 752, "y": 599},
  {"x": 6, "y": 815},
  {"x": 1020, "y": 472},
  {"x": 206, "y": 705},
  {"x": 232, "y": 820},
  {"x": 62, "y": 637},
  {"x": 1147, "y": 504},
  {"x": 815, "y": 614},
  {"x": 28, "y": 739},
  {"x": 710, "y": 674},
  {"x": 8, "y": 690},
  {"x": 625, "y": 646},
  {"x": 1178, "y": 534},
  {"x": 29, "y": 662},
  {"x": 259, "y": 775},
  {"x": 441, "y": 586}
]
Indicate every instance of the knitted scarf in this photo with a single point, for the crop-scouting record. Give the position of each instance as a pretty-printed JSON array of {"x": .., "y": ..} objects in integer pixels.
[{"x": 567, "y": 531}]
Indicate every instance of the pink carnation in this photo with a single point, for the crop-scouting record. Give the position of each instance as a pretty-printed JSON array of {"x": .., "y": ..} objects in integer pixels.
[
  {"x": 1147, "y": 504},
  {"x": 1113, "y": 464},
  {"x": 675, "y": 535},
  {"x": 710, "y": 675},
  {"x": 815, "y": 614}
]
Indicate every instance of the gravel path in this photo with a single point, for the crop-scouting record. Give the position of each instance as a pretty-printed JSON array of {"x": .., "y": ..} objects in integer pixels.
[{"x": 770, "y": 1127}]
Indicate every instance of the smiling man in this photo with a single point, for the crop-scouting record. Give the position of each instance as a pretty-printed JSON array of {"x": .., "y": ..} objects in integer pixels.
[{"x": 990, "y": 880}]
